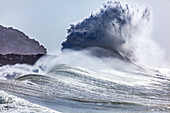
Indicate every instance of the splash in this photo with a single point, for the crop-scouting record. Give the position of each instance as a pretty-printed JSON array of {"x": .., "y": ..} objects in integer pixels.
[
  {"x": 112, "y": 28},
  {"x": 78, "y": 80}
]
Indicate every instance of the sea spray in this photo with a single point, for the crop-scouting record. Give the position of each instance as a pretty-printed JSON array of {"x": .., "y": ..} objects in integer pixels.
[
  {"x": 96, "y": 72},
  {"x": 111, "y": 28},
  {"x": 120, "y": 29}
]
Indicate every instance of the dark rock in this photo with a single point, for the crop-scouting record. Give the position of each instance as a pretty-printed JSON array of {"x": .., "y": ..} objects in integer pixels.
[
  {"x": 12, "y": 59},
  {"x": 16, "y": 47}
]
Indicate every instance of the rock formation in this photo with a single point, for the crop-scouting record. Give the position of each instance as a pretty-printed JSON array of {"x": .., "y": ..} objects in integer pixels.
[
  {"x": 15, "y": 41},
  {"x": 16, "y": 47}
]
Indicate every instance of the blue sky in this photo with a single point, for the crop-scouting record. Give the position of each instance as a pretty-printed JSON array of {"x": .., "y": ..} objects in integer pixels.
[{"x": 47, "y": 20}]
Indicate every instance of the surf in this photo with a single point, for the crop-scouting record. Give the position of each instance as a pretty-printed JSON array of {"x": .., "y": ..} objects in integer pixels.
[{"x": 99, "y": 69}]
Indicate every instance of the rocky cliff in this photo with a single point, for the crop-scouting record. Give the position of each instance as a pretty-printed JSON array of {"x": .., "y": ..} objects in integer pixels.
[
  {"x": 16, "y": 47},
  {"x": 15, "y": 41}
]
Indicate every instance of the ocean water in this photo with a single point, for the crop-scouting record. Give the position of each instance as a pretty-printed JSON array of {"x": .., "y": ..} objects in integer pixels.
[
  {"x": 106, "y": 70},
  {"x": 70, "y": 88}
]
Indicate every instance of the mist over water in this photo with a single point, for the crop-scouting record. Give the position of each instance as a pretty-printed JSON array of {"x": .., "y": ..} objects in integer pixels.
[{"x": 103, "y": 67}]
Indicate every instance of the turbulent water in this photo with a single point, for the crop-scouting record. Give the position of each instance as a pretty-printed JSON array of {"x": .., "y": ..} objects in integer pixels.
[{"x": 99, "y": 70}]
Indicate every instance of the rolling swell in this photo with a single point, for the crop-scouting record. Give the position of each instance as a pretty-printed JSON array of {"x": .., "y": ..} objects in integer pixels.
[{"x": 88, "y": 88}]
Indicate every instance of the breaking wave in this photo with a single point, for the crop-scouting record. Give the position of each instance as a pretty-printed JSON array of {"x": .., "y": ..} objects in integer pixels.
[
  {"x": 78, "y": 81},
  {"x": 112, "y": 28},
  {"x": 69, "y": 88}
]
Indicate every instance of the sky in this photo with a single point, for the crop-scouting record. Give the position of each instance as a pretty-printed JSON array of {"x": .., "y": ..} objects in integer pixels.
[{"x": 47, "y": 20}]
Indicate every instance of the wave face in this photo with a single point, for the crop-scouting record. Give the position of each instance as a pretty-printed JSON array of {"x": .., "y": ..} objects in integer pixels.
[
  {"x": 67, "y": 88},
  {"x": 111, "y": 28}
]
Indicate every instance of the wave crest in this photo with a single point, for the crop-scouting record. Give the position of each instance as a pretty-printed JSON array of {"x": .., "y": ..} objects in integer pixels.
[{"x": 111, "y": 28}]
